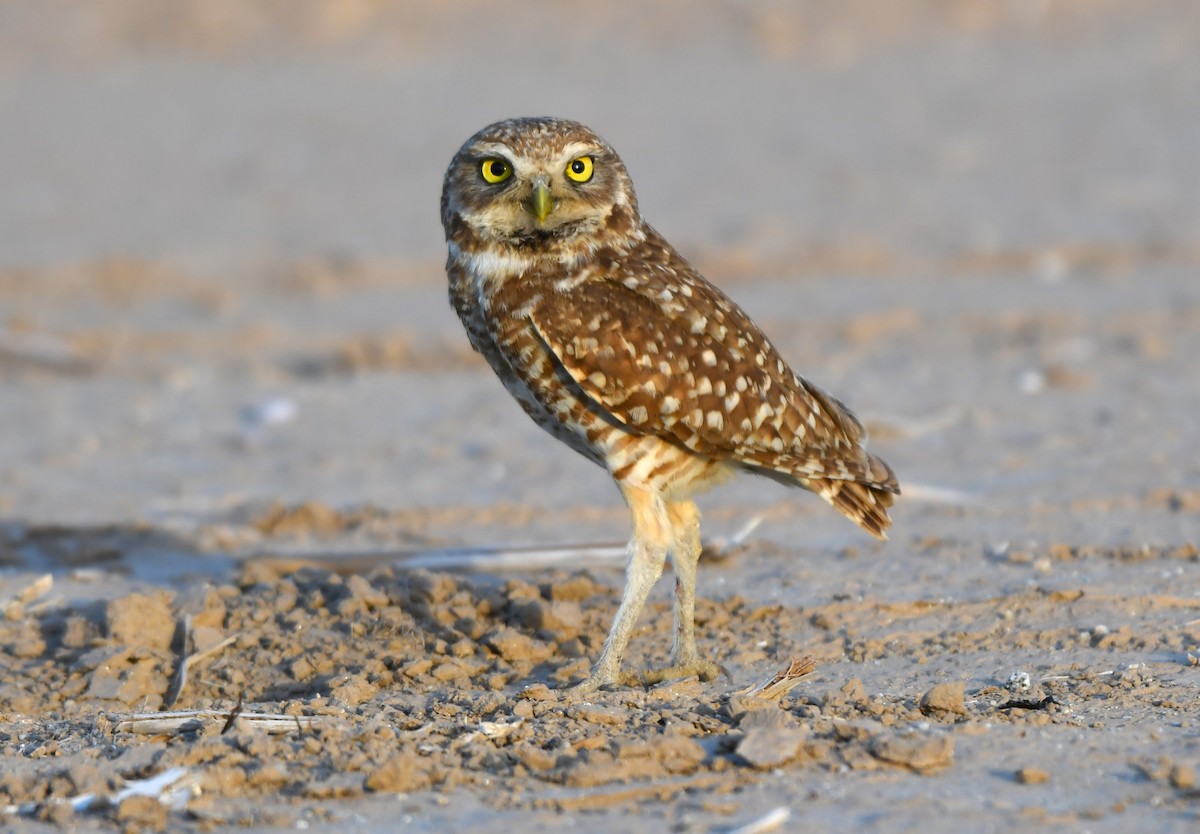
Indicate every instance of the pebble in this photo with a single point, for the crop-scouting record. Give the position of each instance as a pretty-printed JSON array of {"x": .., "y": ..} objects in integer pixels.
[
  {"x": 1183, "y": 776},
  {"x": 142, "y": 620},
  {"x": 764, "y": 748},
  {"x": 1032, "y": 776},
  {"x": 944, "y": 698},
  {"x": 919, "y": 751},
  {"x": 402, "y": 773}
]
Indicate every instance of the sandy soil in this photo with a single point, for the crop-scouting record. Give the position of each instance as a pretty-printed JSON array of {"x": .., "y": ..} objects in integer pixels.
[{"x": 248, "y": 462}]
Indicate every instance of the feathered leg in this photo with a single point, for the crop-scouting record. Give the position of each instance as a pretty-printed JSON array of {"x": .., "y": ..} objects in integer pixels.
[
  {"x": 685, "y": 555},
  {"x": 652, "y": 538}
]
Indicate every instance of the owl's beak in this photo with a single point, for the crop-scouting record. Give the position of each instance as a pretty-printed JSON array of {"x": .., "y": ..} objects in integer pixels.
[{"x": 540, "y": 202}]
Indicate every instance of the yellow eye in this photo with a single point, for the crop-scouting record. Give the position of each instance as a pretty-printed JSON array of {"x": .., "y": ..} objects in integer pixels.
[
  {"x": 496, "y": 170},
  {"x": 580, "y": 169}
]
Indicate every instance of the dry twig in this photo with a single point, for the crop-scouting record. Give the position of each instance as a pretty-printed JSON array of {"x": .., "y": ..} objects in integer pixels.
[
  {"x": 782, "y": 682},
  {"x": 190, "y": 720}
]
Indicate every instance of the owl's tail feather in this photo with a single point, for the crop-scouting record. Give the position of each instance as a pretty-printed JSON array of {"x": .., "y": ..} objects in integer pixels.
[
  {"x": 862, "y": 490},
  {"x": 863, "y": 503}
]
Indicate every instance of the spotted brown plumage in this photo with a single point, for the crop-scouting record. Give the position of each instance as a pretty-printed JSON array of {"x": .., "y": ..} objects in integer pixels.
[{"x": 615, "y": 345}]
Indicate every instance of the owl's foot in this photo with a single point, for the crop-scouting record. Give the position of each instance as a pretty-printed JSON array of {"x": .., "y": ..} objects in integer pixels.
[
  {"x": 706, "y": 670},
  {"x": 594, "y": 683}
]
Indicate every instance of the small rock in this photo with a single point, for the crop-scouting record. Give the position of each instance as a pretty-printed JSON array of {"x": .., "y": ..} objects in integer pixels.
[
  {"x": 561, "y": 619},
  {"x": 678, "y": 753},
  {"x": 60, "y": 814},
  {"x": 852, "y": 693},
  {"x": 142, "y": 620},
  {"x": 126, "y": 676},
  {"x": 28, "y": 646},
  {"x": 1183, "y": 776},
  {"x": 272, "y": 775},
  {"x": 142, "y": 813},
  {"x": 592, "y": 768},
  {"x": 533, "y": 756},
  {"x": 672, "y": 690},
  {"x": 429, "y": 587},
  {"x": 353, "y": 690},
  {"x": 537, "y": 692},
  {"x": 1019, "y": 683},
  {"x": 765, "y": 747},
  {"x": 921, "y": 752},
  {"x": 358, "y": 587},
  {"x": 574, "y": 588},
  {"x": 307, "y": 519},
  {"x": 335, "y": 786},
  {"x": 1032, "y": 776},
  {"x": 512, "y": 645},
  {"x": 944, "y": 698},
  {"x": 403, "y": 773},
  {"x": 302, "y": 669},
  {"x": 417, "y": 667},
  {"x": 597, "y": 715},
  {"x": 78, "y": 632},
  {"x": 769, "y": 719},
  {"x": 452, "y": 669},
  {"x": 518, "y": 590}
]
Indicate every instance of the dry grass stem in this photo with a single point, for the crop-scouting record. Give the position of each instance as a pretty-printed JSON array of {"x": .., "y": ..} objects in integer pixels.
[
  {"x": 782, "y": 682},
  {"x": 183, "y": 721}
]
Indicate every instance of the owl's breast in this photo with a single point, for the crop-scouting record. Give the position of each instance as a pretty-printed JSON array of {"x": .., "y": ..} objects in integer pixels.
[{"x": 499, "y": 330}]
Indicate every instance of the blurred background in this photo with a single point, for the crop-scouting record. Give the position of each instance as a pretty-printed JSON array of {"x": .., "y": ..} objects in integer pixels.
[{"x": 221, "y": 285}]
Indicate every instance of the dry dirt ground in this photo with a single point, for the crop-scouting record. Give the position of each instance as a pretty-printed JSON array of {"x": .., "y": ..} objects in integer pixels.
[{"x": 249, "y": 470}]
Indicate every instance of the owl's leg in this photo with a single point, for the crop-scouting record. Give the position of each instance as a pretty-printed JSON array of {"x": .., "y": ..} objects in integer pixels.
[
  {"x": 652, "y": 537},
  {"x": 685, "y": 555}
]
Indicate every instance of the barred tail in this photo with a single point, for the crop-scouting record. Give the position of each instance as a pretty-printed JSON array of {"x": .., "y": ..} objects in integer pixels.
[
  {"x": 862, "y": 490},
  {"x": 864, "y": 504}
]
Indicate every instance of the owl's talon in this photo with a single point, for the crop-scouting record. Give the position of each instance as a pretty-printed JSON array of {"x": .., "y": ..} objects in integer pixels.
[
  {"x": 706, "y": 670},
  {"x": 589, "y": 686}
]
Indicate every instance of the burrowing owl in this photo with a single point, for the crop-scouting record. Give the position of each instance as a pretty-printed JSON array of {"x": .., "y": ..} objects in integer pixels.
[{"x": 615, "y": 345}]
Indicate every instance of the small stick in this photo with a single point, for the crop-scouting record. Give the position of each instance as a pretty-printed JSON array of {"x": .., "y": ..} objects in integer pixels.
[
  {"x": 172, "y": 723},
  {"x": 782, "y": 682},
  {"x": 500, "y": 558},
  {"x": 233, "y": 714}
]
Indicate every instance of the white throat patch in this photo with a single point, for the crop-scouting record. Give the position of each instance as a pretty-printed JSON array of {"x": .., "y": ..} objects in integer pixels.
[{"x": 493, "y": 266}]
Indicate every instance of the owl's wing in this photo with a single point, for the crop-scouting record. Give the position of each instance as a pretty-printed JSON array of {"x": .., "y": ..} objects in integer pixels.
[{"x": 665, "y": 353}]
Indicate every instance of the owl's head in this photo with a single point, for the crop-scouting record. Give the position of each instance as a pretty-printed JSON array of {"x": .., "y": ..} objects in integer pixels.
[{"x": 539, "y": 185}]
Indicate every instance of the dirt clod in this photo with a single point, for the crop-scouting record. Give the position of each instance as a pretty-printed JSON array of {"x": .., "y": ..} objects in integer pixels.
[
  {"x": 1183, "y": 776},
  {"x": 142, "y": 813},
  {"x": 944, "y": 699},
  {"x": 402, "y": 773},
  {"x": 1032, "y": 776},
  {"x": 769, "y": 747},
  {"x": 141, "y": 620},
  {"x": 922, "y": 752}
]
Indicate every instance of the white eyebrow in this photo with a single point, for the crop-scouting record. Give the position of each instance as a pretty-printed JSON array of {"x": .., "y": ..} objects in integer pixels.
[
  {"x": 494, "y": 149},
  {"x": 576, "y": 148}
]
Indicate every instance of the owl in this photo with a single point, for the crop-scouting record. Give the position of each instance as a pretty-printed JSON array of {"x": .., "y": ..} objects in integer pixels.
[{"x": 616, "y": 346}]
